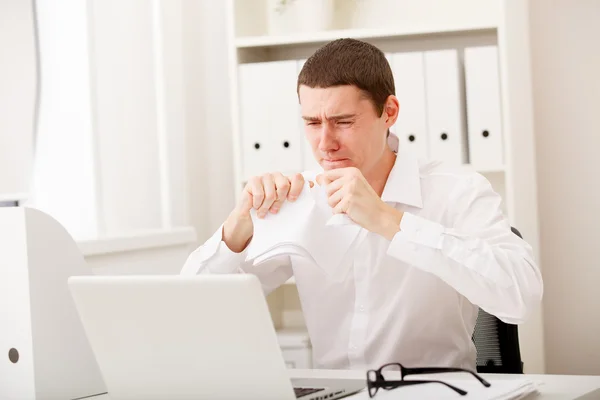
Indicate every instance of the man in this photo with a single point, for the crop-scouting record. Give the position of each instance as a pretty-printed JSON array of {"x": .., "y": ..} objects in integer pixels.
[{"x": 434, "y": 246}]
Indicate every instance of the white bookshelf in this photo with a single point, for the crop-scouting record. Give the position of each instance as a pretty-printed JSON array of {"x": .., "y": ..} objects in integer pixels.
[
  {"x": 363, "y": 34},
  {"x": 467, "y": 23},
  {"x": 250, "y": 43}
]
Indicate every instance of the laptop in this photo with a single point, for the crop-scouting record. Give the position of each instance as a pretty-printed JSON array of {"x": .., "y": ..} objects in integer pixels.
[{"x": 189, "y": 337}]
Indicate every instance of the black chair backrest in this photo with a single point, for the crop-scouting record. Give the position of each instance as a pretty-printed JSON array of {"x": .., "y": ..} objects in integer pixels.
[{"x": 497, "y": 343}]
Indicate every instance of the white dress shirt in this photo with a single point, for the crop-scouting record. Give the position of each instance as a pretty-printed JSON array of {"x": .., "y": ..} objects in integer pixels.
[{"x": 415, "y": 299}]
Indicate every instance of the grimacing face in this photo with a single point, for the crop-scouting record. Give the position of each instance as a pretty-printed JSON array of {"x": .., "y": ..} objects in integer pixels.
[{"x": 343, "y": 127}]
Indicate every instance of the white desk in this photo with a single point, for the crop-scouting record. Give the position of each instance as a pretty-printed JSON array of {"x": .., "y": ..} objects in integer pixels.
[{"x": 554, "y": 387}]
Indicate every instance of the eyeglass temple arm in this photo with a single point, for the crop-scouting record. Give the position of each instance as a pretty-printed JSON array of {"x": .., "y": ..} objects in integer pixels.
[
  {"x": 437, "y": 370},
  {"x": 396, "y": 384}
]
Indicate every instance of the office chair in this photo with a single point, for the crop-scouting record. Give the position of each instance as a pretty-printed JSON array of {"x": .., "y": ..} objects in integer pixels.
[{"x": 497, "y": 343}]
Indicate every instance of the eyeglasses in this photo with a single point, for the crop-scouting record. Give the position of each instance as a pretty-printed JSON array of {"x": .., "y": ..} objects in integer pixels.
[{"x": 397, "y": 372}]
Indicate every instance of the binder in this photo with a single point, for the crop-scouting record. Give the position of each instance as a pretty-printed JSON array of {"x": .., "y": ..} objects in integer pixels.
[
  {"x": 254, "y": 120},
  {"x": 269, "y": 128},
  {"x": 447, "y": 138},
  {"x": 484, "y": 124},
  {"x": 411, "y": 126},
  {"x": 285, "y": 129}
]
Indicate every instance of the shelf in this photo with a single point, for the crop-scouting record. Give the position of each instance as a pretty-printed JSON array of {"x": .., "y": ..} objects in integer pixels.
[{"x": 327, "y": 36}]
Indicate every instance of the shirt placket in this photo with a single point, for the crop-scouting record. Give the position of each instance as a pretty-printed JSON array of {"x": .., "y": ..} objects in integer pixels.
[{"x": 360, "y": 318}]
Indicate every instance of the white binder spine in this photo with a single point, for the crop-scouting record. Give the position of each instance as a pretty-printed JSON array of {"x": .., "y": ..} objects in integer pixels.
[
  {"x": 447, "y": 139},
  {"x": 483, "y": 108},
  {"x": 411, "y": 126}
]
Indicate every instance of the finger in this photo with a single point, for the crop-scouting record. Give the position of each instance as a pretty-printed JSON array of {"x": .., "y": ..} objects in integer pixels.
[
  {"x": 297, "y": 184},
  {"x": 321, "y": 179},
  {"x": 342, "y": 206},
  {"x": 311, "y": 184},
  {"x": 334, "y": 199},
  {"x": 257, "y": 192},
  {"x": 334, "y": 186},
  {"x": 268, "y": 185},
  {"x": 337, "y": 173},
  {"x": 324, "y": 180},
  {"x": 282, "y": 187},
  {"x": 245, "y": 204}
]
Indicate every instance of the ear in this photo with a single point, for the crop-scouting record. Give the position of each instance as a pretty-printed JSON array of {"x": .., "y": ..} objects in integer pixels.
[{"x": 391, "y": 110}]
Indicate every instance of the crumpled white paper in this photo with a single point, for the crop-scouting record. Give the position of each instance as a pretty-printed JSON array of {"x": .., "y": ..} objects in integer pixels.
[{"x": 306, "y": 228}]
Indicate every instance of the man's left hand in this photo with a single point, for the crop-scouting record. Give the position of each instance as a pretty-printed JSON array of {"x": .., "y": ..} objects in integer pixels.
[{"x": 349, "y": 193}]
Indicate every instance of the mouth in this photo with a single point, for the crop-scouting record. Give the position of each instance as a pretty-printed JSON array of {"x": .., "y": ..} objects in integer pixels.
[{"x": 334, "y": 163}]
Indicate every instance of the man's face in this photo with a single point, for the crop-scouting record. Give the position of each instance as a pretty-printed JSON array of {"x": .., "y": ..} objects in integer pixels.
[{"x": 343, "y": 127}]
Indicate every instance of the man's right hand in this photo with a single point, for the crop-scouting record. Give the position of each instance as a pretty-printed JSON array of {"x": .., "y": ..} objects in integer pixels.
[{"x": 265, "y": 194}]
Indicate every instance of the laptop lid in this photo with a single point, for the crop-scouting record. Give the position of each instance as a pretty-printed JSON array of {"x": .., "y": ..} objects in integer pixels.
[{"x": 176, "y": 337}]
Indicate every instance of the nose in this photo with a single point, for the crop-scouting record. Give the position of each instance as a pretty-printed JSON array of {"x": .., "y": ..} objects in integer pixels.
[{"x": 327, "y": 140}]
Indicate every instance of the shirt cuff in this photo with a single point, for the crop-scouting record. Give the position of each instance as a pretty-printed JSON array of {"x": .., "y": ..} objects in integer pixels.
[
  {"x": 214, "y": 256},
  {"x": 417, "y": 242},
  {"x": 422, "y": 231}
]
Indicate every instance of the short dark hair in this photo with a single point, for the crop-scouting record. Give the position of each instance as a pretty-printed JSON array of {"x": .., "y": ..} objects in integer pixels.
[{"x": 350, "y": 62}]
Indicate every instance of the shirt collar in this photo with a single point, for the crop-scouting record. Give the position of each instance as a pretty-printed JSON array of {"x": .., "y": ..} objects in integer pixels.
[{"x": 404, "y": 182}]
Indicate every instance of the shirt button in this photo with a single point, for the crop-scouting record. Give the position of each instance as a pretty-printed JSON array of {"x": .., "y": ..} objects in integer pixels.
[{"x": 361, "y": 308}]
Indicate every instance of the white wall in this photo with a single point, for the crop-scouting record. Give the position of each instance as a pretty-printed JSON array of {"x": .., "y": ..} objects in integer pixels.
[
  {"x": 137, "y": 63},
  {"x": 521, "y": 196},
  {"x": 111, "y": 140},
  {"x": 18, "y": 79},
  {"x": 64, "y": 177},
  {"x": 566, "y": 82},
  {"x": 208, "y": 116},
  {"x": 126, "y": 111}
]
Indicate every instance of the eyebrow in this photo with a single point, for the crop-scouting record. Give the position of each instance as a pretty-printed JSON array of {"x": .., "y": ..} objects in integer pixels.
[{"x": 331, "y": 118}]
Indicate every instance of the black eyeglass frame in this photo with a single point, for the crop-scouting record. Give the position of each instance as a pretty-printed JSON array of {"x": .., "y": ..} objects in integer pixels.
[{"x": 379, "y": 382}]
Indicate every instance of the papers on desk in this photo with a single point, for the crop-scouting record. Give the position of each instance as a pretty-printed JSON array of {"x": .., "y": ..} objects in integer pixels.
[
  {"x": 502, "y": 389},
  {"x": 305, "y": 228}
]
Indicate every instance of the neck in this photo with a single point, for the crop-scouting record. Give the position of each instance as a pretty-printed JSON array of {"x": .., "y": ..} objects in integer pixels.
[{"x": 377, "y": 176}]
